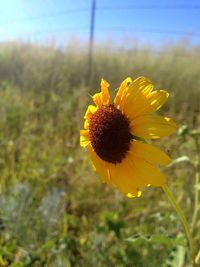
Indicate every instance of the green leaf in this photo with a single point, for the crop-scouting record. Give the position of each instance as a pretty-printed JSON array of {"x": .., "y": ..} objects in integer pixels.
[
  {"x": 177, "y": 257},
  {"x": 180, "y": 160},
  {"x": 183, "y": 130},
  {"x": 197, "y": 186},
  {"x": 195, "y": 133},
  {"x": 46, "y": 246},
  {"x": 158, "y": 239}
]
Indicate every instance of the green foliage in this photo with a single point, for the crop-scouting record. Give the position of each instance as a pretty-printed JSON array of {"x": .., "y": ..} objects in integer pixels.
[
  {"x": 158, "y": 239},
  {"x": 54, "y": 211}
]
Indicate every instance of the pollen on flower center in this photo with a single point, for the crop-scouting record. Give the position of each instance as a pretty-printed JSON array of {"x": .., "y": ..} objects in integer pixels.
[{"x": 110, "y": 134}]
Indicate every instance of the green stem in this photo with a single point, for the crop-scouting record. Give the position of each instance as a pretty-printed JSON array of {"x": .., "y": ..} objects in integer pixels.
[
  {"x": 182, "y": 218},
  {"x": 196, "y": 200},
  {"x": 196, "y": 187},
  {"x": 197, "y": 259}
]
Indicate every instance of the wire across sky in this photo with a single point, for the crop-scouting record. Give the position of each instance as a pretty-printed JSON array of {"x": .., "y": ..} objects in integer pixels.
[{"x": 114, "y": 19}]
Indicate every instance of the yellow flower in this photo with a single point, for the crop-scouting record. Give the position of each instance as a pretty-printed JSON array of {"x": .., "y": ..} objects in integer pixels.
[{"x": 114, "y": 132}]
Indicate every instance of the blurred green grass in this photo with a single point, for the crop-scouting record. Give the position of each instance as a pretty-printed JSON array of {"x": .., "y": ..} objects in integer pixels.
[{"x": 53, "y": 209}]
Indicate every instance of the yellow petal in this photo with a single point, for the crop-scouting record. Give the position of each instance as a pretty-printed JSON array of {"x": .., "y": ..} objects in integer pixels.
[
  {"x": 130, "y": 176},
  {"x": 97, "y": 98},
  {"x": 143, "y": 84},
  {"x": 84, "y": 138},
  {"x": 88, "y": 114},
  {"x": 149, "y": 153},
  {"x": 133, "y": 174},
  {"x": 136, "y": 96},
  {"x": 122, "y": 175},
  {"x": 156, "y": 100},
  {"x": 130, "y": 195},
  {"x": 152, "y": 126},
  {"x": 102, "y": 98},
  {"x": 86, "y": 124},
  {"x": 121, "y": 90},
  {"x": 147, "y": 104},
  {"x": 90, "y": 111},
  {"x": 105, "y": 93},
  {"x": 147, "y": 173},
  {"x": 100, "y": 165}
]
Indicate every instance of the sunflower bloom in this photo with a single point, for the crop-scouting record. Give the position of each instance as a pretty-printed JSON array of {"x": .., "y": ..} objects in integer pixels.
[{"x": 114, "y": 132}]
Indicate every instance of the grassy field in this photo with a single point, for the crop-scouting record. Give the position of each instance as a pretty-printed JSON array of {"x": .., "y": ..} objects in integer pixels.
[{"x": 54, "y": 210}]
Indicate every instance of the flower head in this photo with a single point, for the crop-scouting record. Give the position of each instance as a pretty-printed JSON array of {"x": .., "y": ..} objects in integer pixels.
[{"x": 114, "y": 132}]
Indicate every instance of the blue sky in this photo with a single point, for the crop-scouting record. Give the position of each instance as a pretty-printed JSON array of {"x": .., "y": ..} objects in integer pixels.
[{"x": 147, "y": 21}]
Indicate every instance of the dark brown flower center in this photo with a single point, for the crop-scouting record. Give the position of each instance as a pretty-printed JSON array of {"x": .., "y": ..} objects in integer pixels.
[{"x": 110, "y": 134}]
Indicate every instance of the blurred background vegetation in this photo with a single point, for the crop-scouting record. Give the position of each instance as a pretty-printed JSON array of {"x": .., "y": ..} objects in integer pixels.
[{"x": 54, "y": 211}]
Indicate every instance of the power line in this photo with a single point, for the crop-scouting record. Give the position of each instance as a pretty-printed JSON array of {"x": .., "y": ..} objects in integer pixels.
[
  {"x": 131, "y": 7},
  {"x": 101, "y": 8},
  {"x": 56, "y": 14},
  {"x": 61, "y": 30},
  {"x": 148, "y": 30},
  {"x": 124, "y": 29},
  {"x": 118, "y": 29},
  {"x": 114, "y": 28}
]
